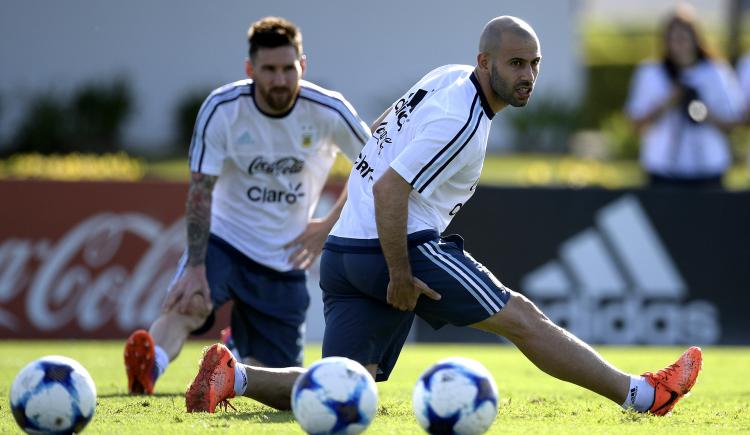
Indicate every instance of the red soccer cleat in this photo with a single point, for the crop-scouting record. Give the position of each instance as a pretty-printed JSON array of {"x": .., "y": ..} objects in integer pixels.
[
  {"x": 214, "y": 383},
  {"x": 672, "y": 383},
  {"x": 139, "y": 362}
]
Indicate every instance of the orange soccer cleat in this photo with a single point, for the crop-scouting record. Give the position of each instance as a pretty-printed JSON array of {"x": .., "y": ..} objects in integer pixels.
[
  {"x": 672, "y": 383},
  {"x": 214, "y": 383},
  {"x": 139, "y": 362}
]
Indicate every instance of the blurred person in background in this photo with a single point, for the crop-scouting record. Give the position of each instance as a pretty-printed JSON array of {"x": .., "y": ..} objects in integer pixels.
[
  {"x": 683, "y": 106},
  {"x": 261, "y": 151}
]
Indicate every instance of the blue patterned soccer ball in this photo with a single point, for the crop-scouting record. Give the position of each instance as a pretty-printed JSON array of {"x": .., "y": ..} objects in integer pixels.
[
  {"x": 455, "y": 396},
  {"x": 335, "y": 396},
  {"x": 53, "y": 394}
]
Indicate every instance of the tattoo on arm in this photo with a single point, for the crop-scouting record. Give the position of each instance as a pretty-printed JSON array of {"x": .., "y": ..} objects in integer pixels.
[{"x": 198, "y": 216}]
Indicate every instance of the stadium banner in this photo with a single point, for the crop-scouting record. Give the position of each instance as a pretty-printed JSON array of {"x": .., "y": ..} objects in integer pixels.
[
  {"x": 616, "y": 267},
  {"x": 86, "y": 259},
  {"x": 93, "y": 260}
]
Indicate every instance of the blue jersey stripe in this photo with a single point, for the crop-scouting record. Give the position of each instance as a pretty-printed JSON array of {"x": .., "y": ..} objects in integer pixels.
[
  {"x": 204, "y": 117},
  {"x": 470, "y": 272},
  {"x": 429, "y": 164},
  {"x": 469, "y": 278},
  {"x": 342, "y": 107},
  {"x": 439, "y": 263},
  {"x": 453, "y": 156}
]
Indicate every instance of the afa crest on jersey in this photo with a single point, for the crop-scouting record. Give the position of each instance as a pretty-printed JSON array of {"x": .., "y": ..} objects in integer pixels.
[{"x": 308, "y": 135}]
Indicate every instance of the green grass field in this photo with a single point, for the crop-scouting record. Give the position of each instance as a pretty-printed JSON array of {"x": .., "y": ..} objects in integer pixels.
[{"x": 530, "y": 401}]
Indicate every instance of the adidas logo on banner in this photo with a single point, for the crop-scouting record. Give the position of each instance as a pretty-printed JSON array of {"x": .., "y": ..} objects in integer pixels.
[{"x": 615, "y": 283}]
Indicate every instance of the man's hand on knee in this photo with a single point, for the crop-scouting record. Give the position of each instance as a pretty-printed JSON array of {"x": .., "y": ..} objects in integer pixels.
[{"x": 190, "y": 294}]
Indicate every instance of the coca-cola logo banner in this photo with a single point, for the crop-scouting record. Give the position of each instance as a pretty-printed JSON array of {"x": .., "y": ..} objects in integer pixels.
[{"x": 86, "y": 260}]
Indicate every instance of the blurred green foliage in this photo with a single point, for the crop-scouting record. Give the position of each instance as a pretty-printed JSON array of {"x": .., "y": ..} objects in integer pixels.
[
  {"x": 544, "y": 126},
  {"x": 98, "y": 112},
  {"x": 44, "y": 129},
  {"x": 90, "y": 121},
  {"x": 620, "y": 136}
]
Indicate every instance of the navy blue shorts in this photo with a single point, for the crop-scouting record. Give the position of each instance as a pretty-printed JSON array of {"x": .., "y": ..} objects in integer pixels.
[
  {"x": 268, "y": 315},
  {"x": 359, "y": 322}
]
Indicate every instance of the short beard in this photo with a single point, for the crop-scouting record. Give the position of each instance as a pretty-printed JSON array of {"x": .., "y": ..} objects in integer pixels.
[
  {"x": 277, "y": 101},
  {"x": 503, "y": 90}
]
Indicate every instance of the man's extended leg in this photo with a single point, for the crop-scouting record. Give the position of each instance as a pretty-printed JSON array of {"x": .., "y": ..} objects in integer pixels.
[
  {"x": 221, "y": 377},
  {"x": 562, "y": 355},
  {"x": 554, "y": 350}
]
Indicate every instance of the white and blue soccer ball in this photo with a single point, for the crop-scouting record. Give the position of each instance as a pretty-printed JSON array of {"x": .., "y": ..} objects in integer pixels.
[
  {"x": 455, "y": 396},
  {"x": 53, "y": 394},
  {"x": 335, "y": 396}
]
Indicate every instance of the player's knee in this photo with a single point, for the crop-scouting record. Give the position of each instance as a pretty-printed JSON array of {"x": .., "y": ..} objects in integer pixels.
[
  {"x": 198, "y": 306},
  {"x": 196, "y": 314},
  {"x": 520, "y": 319},
  {"x": 529, "y": 320}
]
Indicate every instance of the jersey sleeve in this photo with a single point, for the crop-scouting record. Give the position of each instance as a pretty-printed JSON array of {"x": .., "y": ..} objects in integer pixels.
[
  {"x": 208, "y": 146},
  {"x": 648, "y": 89},
  {"x": 439, "y": 149},
  {"x": 351, "y": 133}
]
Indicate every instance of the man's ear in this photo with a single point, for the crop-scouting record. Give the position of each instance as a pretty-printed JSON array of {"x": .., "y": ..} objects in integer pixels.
[
  {"x": 303, "y": 63},
  {"x": 483, "y": 61},
  {"x": 249, "y": 68}
]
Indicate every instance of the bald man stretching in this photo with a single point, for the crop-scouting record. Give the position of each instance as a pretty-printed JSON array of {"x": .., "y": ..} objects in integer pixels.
[{"x": 414, "y": 174}]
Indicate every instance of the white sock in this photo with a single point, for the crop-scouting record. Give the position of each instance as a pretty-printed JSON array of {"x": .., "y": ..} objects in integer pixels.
[
  {"x": 240, "y": 379},
  {"x": 640, "y": 395},
  {"x": 162, "y": 360}
]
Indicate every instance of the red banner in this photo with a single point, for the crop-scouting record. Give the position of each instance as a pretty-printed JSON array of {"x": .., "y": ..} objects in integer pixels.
[{"x": 86, "y": 260}]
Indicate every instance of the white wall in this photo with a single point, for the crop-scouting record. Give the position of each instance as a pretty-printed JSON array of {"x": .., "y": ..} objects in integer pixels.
[{"x": 371, "y": 52}]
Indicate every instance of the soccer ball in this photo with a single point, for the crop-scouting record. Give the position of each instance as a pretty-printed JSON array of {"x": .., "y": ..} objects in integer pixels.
[
  {"x": 455, "y": 396},
  {"x": 335, "y": 396},
  {"x": 53, "y": 394}
]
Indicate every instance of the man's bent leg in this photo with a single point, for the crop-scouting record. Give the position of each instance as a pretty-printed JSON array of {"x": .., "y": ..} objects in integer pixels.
[
  {"x": 554, "y": 350},
  {"x": 171, "y": 329},
  {"x": 220, "y": 378},
  {"x": 147, "y": 353}
]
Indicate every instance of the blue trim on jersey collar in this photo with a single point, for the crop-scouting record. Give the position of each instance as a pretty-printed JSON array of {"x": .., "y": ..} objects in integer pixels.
[
  {"x": 485, "y": 104},
  {"x": 271, "y": 115}
]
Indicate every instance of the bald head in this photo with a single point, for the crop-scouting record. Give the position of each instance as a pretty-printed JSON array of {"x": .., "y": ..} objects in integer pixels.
[
  {"x": 507, "y": 62},
  {"x": 492, "y": 35}
]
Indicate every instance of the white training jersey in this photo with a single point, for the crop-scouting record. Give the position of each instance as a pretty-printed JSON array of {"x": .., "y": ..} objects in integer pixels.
[
  {"x": 271, "y": 169},
  {"x": 435, "y": 137}
]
